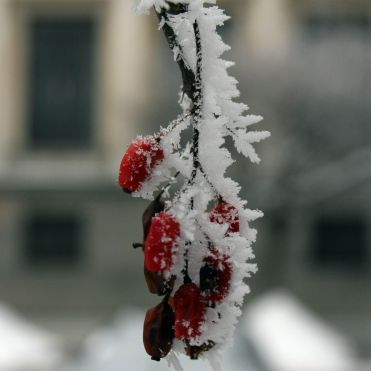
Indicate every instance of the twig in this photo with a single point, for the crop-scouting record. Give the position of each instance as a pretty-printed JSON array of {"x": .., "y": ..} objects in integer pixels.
[{"x": 197, "y": 100}]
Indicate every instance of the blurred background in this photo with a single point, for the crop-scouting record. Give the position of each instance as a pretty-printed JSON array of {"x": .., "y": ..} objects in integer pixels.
[{"x": 79, "y": 79}]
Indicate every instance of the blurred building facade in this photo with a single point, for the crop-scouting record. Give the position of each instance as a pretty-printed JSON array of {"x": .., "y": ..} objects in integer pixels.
[
  {"x": 312, "y": 81},
  {"x": 79, "y": 79},
  {"x": 71, "y": 79}
]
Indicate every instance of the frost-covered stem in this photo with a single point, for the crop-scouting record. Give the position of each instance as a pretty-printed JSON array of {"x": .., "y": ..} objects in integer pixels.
[
  {"x": 173, "y": 124},
  {"x": 188, "y": 76},
  {"x": 197, "y": 116},
  {"x": 192, "y": 86},
  {"x": 192, "y": 83},
  {"x": 197, "y": 102},
  {"x": 197, "y": 110}
]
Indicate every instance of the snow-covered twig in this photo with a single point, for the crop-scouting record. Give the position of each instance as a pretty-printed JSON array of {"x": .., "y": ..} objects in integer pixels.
[{"x": 198, "y": 244}]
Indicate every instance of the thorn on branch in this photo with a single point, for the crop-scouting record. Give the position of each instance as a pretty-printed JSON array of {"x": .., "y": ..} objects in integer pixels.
[{"x": 136, "y": 245}]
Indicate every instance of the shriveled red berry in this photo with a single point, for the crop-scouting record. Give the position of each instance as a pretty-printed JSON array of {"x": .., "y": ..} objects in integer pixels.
[
  {"x": 139, "y": 160},
  {"x": 155, "y": 207},
  {"x": 190, "y": 312},
  {"x": 157, "y": 283},
  {"x": 158, "y": 331},
  {"x": 160, "y": 245},
  {"x": 215, "y": 277},
  {"x": 226, "y": 213}
]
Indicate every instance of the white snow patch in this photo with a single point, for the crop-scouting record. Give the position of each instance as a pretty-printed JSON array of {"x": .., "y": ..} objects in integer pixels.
[
  {"x": 288, "y": 337},
  {"x": 24, "y": 346},
  {"x": 119, "y": 347}
]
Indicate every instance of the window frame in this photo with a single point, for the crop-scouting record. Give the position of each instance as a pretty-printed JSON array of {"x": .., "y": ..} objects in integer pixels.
[
  {"x": 339, "y": 263},
  {"x": 34, "y": 218},
  {"x": 52, "y": 143},
  {"x": 24, "y": 12}
]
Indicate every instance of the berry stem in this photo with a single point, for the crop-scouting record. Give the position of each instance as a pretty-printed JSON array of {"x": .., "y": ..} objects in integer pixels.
[{"x": 173, "y": 124}]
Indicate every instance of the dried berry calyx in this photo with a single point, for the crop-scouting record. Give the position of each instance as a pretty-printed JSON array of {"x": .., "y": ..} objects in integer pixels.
[
  {"x": 158, "y": 331},
  {"x": 160, "y": 245},
  {"x": 140, "y": 158},
  {"x": 190, "y": 312},
  {"x": 225, "y": 213},
  {"x": 194, "y": 351},
  {"x": 215, "y": 276},
  {"x": 157, "y": 283}
]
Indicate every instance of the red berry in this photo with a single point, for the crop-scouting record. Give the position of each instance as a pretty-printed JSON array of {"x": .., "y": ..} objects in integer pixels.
[
  {"x": 140, "y": 158},
  {"x": 158, "y": 331},
  {"x": 190, "y": 312},
  {"x": 226, "y": 213},
  {"x": 159, "y": 248},
  {"x": 215, "y": 277}
]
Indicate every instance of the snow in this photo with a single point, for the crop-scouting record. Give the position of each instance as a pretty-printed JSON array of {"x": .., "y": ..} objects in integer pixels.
[
  {"x": 288, "y": 337},
  {"x": 278, "y": 333},
  {"x": 119, "y": 347},
  {"x": 23, "y": 346}
]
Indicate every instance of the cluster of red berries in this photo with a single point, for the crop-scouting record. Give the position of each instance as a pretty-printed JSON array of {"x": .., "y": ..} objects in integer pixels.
[{"x": 182, "y": 314}]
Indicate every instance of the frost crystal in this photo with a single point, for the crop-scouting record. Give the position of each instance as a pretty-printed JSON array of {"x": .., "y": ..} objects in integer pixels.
[{"x": 208, "y": 247}]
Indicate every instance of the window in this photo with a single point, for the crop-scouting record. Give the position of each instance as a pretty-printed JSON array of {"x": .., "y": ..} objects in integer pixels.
[
  {"x": 340, "y": 243},
  {"x": 53, "y": 240},
  {"x": 61, "y": 74}
]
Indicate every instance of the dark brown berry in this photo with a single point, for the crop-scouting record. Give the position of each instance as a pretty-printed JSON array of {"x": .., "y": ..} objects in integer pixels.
[
  {"x": 158, "y": 331},
  {"x": 157, "y": 284}
]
